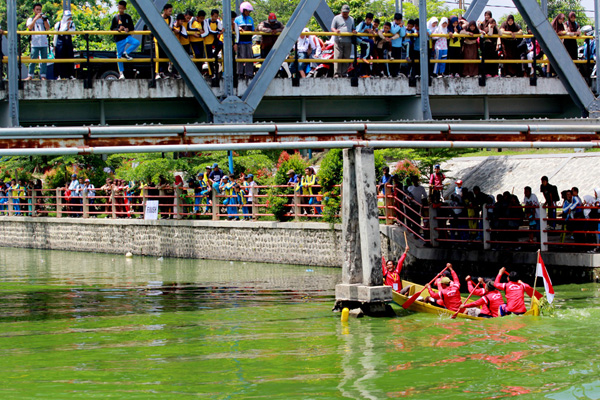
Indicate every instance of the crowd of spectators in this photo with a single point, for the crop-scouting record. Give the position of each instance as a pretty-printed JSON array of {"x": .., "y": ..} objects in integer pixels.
[
  {"x": 460, "y": 213},
  {"x": 191, "y": 198},
  {"x": 201, "y": 35}
]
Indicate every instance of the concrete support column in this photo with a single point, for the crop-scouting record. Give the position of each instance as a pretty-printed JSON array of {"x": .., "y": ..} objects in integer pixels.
[
  {"x": 487, "y": 235},
  {"x": 362, "y": 277},
  {"x": 433, "y": 224},
  {"x": 543, "y": 227},
  {"x": 368, "y": 216}
]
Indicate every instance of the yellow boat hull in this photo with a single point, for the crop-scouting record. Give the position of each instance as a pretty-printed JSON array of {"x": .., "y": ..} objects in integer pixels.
[{"x": 419, "y": 306}]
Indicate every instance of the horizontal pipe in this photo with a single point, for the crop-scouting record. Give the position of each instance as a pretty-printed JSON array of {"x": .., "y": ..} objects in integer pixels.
[{"x": 377, "y": 144}]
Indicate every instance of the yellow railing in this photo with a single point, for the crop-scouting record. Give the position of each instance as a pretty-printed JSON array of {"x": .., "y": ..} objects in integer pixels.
[{"x": 252, "y": 33}]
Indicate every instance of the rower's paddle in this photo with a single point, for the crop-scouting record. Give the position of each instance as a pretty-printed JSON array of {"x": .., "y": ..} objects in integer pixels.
[
  {"x": 415, "y": 296},
  {"x": 463, "y": 304}
]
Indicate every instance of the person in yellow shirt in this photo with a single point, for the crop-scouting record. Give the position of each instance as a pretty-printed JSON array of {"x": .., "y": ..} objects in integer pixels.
[
  {"x": 181, "y": 33},
  {"x": 162, "y": 68},
  {"x": 309, "y": 185},
  {"x": 195, "y": 32},
  {"x": 213, "y": 28}
]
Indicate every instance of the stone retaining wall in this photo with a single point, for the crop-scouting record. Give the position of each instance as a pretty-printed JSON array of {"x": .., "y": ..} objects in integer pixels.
[{"x": 288, "y": 243}]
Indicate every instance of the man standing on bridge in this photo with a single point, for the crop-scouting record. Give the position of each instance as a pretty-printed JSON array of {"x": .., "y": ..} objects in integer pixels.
[
  {"x": 342, "y": 23},
  {"x": 126, "y": 44},
  {"x": 39, "y": 43}
]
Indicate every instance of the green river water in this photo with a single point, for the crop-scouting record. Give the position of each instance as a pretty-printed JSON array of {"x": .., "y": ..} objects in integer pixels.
[{"x": 97, "y": 326}]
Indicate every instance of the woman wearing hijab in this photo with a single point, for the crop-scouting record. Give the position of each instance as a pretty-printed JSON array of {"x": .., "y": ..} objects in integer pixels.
[
  {"x": 63, "y": 47},
  {"x": 509, "y": 46},
  {"x": 454, "y": 47},
  {"x": 470, "y": 49},
  {"x": 489, "y": 47},
  {"x": 441, "y": 47},
  {"x": 572, "y": 29},
  {"x": 432, "y": 24}
]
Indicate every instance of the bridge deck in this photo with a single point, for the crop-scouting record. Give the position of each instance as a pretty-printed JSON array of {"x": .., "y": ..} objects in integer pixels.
[{"x": 375, "y": 99}]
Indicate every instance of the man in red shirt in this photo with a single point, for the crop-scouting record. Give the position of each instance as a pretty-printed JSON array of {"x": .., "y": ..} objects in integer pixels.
[
  {"x": 491, "y": 299},
  {"x": 515, "y": 293},
  {"x": 391, "y": 275},
  {"x": 448, "y": 294},
  {"x": 436, "y": 181}
]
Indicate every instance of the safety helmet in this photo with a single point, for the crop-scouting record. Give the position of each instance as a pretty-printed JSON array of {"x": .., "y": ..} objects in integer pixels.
[{"x": 246, "y": 6}]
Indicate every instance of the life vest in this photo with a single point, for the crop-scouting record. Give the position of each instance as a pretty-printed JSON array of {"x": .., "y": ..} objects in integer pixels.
[{"x": 308, "y": 182}]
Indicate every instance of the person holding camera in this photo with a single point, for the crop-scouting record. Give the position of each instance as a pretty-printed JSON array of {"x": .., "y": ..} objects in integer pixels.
[{"x": 39, "y": 43}]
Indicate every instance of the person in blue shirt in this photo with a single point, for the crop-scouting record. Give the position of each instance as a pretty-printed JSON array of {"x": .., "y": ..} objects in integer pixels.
[
  {"x": 215, "y": 176},
  {"x": 366, "y": 43},
  {"x": 399, "y": 32},
  {"x": 245, "y": 23}
]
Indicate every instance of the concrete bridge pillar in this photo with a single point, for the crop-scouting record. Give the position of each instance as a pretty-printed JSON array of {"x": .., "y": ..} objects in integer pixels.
[{"x": 362, "y": 278}]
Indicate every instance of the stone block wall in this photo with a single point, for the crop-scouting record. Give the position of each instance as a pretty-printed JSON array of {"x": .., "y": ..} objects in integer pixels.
[{"x": 311, "y": 243}]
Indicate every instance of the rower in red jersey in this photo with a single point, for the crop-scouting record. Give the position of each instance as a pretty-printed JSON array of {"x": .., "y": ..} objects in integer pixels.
[
  {"x": 391, "y": 275},
  {"x": 491, "y": 299},
  {"x": 448, "y": 294},
  {"x": 515, "y": 293}
]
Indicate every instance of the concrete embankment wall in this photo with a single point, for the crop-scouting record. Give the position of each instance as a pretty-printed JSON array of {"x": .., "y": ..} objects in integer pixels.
[{"x": 308, "y": 243}]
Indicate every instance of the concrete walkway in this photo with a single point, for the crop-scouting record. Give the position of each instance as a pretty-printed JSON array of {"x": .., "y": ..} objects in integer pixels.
[{"x": 497, "y": 174}]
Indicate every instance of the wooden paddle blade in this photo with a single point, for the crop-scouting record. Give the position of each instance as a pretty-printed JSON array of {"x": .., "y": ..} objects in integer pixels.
[{"x": 412, "y": 299}]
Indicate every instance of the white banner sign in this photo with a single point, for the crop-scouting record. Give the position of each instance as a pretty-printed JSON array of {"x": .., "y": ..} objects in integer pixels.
[{"x": 151, "y": 209}]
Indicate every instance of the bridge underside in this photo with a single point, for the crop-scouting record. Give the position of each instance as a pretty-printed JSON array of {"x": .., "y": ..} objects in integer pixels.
[{"x": 67, "y": 103}]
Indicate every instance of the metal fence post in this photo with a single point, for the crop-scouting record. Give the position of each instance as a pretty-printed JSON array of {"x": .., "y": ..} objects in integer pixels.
[
  {"x": 543, "y": 228},
  {"x": 215, "y": 205},
  {"x": 487, "y": 235},
  {"x": 59, "y": 206},
  {"x": 85, "y": 201},
  {"x": 113, "y": 206},
  {"x": 87, "y": 83},
  {"x": 11, "y": 207},
  {"x": 433, "y": 224}
]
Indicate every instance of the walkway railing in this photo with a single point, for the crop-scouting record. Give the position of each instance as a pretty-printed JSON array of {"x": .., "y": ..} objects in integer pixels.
[
  {"x": 173, "y": 203},
  {"x": 152, "y": 60},
  {"x": 492, "y": 227}
]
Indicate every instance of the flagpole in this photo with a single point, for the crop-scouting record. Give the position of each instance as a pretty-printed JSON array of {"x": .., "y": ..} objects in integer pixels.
[{"x": 537, "y": 261}]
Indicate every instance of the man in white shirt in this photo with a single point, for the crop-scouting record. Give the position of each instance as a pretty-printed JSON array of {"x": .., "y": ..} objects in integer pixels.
[
  {"x": 39, "y": 43},
  {"x": 249, "y": 186}
]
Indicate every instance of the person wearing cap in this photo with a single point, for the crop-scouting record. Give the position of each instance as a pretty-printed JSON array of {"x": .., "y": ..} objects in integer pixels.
[
  {"x": 72, "y": 188},
  {"x": 448, "y": 294},
  {"x": 226, "y": 187},
  {"x": 90, "y": 192},
  {"x": 342, "y": 23},
  {"x": 63, "y": 47},
  {"x": 436, "y": 180},
  {"x": 245, "y": 23},
  {"x": 215, "y": 176},
  {"x": 458, "y": 188},
  {"x": 272, "y": 27}
]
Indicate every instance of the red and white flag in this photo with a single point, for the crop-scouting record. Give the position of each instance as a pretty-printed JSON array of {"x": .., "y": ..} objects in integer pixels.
[{"x": 542, "y": 272}]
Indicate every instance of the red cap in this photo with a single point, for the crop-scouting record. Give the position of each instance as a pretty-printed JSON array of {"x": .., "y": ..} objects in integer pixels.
[{"x": 272, "y": 17}]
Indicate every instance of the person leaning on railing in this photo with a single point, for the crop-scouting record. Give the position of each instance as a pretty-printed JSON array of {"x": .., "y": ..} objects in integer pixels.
[
  {"x": 509, "y": 45},
  {"x": 126, "y": 44},
  {"x": 342, "y": 23},
  {"x": 39, "y": 43},
  {"x": 63, "y": 47}
]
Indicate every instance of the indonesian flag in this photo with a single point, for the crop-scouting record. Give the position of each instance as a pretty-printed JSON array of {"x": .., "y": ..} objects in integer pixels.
[{"x": 542, "y": 272}]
